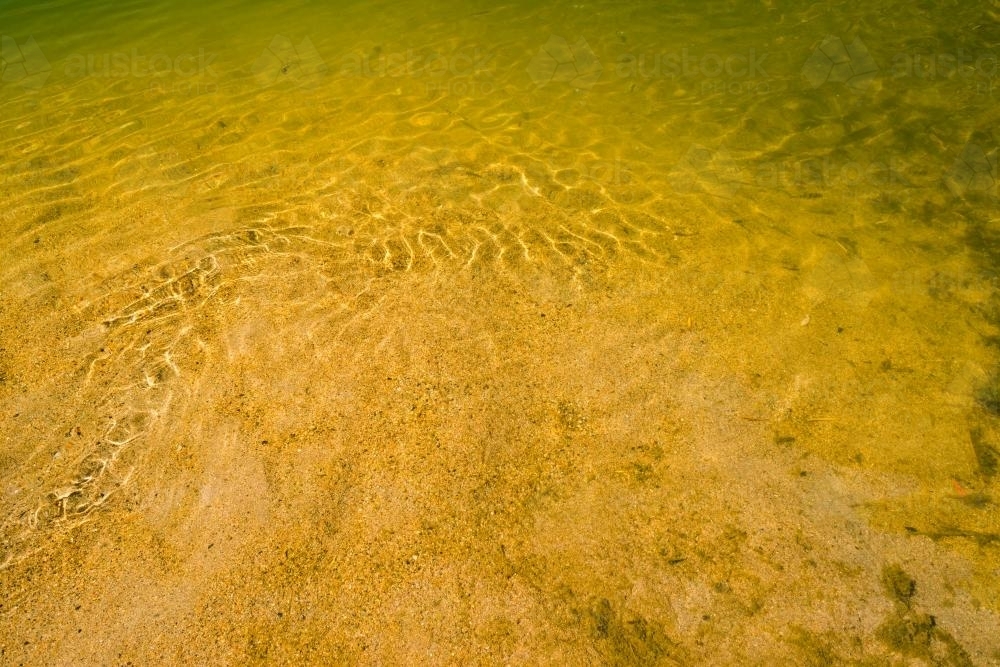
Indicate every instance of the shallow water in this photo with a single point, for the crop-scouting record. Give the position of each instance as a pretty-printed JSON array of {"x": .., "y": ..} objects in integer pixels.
[{"x": 455, "y": 332}]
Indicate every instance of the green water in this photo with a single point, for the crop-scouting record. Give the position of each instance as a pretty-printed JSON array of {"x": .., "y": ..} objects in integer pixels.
[{"x": 628, "y": 333}]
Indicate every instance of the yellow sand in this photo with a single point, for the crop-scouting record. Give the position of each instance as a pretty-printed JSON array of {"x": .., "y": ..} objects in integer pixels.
[{"x": 338, "y": 357}]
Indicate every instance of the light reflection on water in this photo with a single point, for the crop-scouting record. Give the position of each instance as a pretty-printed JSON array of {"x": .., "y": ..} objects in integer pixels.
[{"x": 513, "y": 332}]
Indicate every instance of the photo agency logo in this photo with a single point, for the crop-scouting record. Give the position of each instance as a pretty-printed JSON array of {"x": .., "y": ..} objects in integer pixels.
[
  {"x": 462, "y": 71},
  {"x": 559, "y": 61},
  {"x": 612, "y": 179},
  {"x": 810, "y": 177},
  {"x": 833, "y": 61},
  {"x": 728, "y": 73},
  {"x": 138, "y": 65},
  {"x": 703, "y": 170},
  {"x": 23, "y": 65},
  {"x": 977, "y": 70},
  {"x": 187, "y": 72},
  {"x": 974, "y": 173},
  {"x": 284, "y": 62}
]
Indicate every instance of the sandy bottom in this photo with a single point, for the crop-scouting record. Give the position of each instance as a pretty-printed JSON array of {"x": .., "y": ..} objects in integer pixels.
[{"x": 353, "y": 368}]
